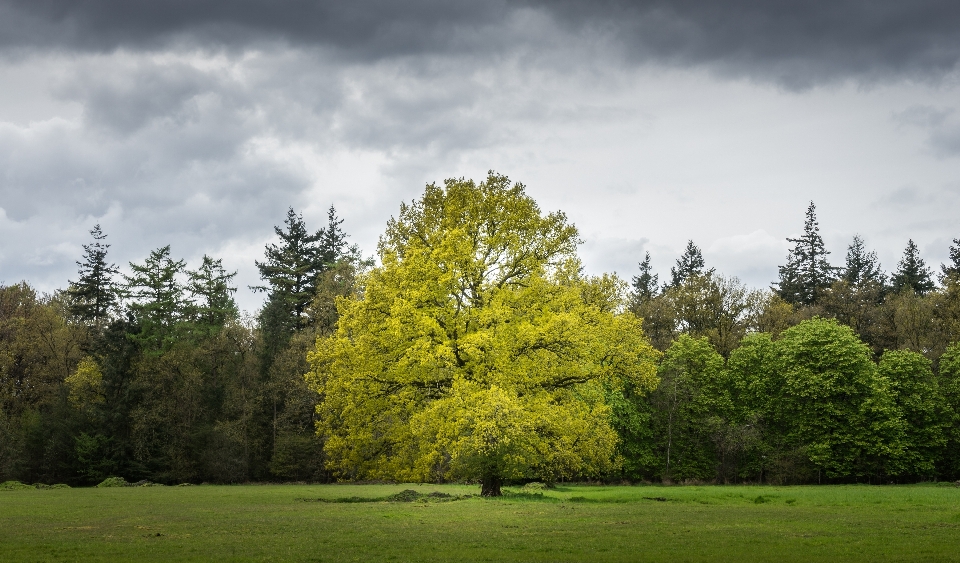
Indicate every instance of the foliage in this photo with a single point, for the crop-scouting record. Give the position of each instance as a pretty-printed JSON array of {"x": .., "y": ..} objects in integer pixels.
[
  {"x": 477, "y": 350},
  {"x": 807, "y": 273},
  {"x": 912, "y": 272},
  {"x": 94, "y": 295}
]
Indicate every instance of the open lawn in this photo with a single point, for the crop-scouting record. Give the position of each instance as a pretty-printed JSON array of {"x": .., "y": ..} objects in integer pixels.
[{"x": 569, "y": 523}]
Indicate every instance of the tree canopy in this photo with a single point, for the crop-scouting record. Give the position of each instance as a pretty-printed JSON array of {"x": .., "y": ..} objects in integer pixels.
[{"x": 477, "y": 349}]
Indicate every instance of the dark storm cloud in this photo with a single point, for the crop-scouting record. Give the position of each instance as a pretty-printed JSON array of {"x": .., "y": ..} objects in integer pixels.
[{"x": 797, "y": 43}]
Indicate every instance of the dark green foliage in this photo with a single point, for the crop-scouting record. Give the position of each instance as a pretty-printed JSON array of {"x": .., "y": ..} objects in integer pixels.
[
  {"x": 646, "y": 284},
  {"x": 94, "y": 294},
  {"x": 862, "y": 268},
  {"x": 157, "y": 299},
  {"x": 807, "y": 274},
  {"x": 689, "y": 264},
  {"x": 912, "y": 272},
  {"x": 952, "y": 268},
  {"x": 291, "y": 269}
]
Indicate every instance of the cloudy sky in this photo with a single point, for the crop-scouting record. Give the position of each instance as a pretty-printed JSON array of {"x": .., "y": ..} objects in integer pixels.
[{"x": 197, "y": 123}]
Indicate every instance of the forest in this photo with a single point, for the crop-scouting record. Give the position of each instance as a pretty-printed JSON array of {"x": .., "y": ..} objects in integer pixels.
[{"x": 475, "y": 349}]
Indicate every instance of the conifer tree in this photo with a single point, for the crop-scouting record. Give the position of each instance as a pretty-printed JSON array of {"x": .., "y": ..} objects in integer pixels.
[
  {"x": 912, "y": 272},
  {"x": 646, "y": 285},
  {"x": 807, "y": 273},
  {"x": 862, "y": 267},
  {"x": 291, "y": 270},
  {"x": 209, "y": 285},
  {"x": 158, "y": 297},
  {"x": 689, "y": 264},
  {"x": 94, "y": 293},
  {"x": 952, "y": 268}
]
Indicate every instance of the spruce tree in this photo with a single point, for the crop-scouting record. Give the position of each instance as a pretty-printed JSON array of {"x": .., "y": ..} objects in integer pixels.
[
  {"x": 646, "y": 285},
  {"x": 807, "y": 273},
  {"x": 291, "y": 269},
  {"x": 689, "y": 264},
  {"x": 94, "y": 293},
  {"x": 952, "y": 268},
  {"x": 912, "y": 272},
  {"x": 862, "y": 267}
]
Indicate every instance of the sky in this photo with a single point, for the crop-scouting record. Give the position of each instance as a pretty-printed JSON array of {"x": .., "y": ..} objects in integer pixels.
[{"x": 198, "y": 123}]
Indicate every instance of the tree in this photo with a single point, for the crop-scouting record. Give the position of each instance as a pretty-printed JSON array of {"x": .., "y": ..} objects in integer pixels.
[
  {"x": 862, "y": 268},
  {"x": 94, "y": 293},
  {"x": 209, "y": 286},
  {"x": 476, "y": 350},
  {"x": 830, "y": 403},
  {"x": 291, "y": 269},
  {"x": 689, "y": 264},
  {"x": 158, "y": 298},
  {"x": 952, "y": 268},
  {"x": 690, "y": 394},
  {"x": 912, "y": 273},
  {"x": 923, "y": 408},
  {"x": 646, "y": 285},
  {"x": 807, "y": 273}
]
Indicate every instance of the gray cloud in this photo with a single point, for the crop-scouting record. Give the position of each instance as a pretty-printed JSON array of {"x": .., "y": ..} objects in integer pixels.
[{"x": 796, "y": 44}]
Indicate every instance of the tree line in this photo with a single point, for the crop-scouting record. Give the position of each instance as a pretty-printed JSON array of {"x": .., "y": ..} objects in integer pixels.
[
  {"x": 156, "y": 374},
  {"x": 478, "y": 349}
]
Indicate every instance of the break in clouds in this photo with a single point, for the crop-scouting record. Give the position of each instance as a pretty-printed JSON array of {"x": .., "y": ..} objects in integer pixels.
[{"x": 197, "y": 124}]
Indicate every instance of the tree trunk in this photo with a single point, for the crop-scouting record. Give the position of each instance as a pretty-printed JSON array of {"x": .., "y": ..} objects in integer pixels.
[{"x": 490, "y": 486}]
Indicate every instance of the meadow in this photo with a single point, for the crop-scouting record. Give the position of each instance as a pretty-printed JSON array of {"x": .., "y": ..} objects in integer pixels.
[{"x": 566, "y": 523}]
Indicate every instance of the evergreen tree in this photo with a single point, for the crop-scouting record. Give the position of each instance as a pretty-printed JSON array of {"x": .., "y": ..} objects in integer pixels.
[
  {"x": 862, "y": 267},
  {"x": 209, "y": 286},
  {"x": 807, "y": 273},
  {"x": 912, "y": 272},
  {"x": 646, "y": 285},
  {"x": 952, "y": 269},
  {"x": 158, "y": 297},
  {"x": 291, "y": 269},
  {"x": 94, "y": 293},
  {"x": 333, "y": 241},
  {"x": 689, "y": 264}
]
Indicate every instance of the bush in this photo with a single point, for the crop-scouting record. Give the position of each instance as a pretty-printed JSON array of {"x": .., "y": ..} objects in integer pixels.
[
  {"x": 14, "y": 486},
  {"x": 114, "y": 482}
]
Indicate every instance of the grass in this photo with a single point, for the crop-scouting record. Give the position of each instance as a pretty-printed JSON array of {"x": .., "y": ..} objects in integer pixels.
[{"x": 569, "y": 523}]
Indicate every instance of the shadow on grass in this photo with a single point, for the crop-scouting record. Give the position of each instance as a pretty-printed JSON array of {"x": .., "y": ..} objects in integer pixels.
[{"x": 408, "y": 495}]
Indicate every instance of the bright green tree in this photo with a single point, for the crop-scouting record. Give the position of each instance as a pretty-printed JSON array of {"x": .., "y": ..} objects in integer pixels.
[
  {"x": 829, "y": 402},
  {"x": 689, "y": 402},
  {"x": 476, "y": 350},
  {"x": 922, "y": 406}
]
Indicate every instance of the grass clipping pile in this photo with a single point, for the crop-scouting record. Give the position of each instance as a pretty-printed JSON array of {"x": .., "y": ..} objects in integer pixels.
[{"x": 407, "y": 495}]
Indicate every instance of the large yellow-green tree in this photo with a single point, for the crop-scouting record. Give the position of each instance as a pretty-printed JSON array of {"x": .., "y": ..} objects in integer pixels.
[{"x": 477, "y": 349}]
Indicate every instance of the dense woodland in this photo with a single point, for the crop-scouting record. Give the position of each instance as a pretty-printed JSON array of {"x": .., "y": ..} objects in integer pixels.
[{"x": 834, "y": 374}]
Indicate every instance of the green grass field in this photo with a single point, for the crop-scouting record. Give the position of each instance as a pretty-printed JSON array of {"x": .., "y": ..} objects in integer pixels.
[{"x": 569, "y": 523}]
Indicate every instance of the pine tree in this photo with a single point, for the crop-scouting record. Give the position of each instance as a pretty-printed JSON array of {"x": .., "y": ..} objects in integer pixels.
[
  {"x": 94, "y": 293},
  {"x": 158, "y": 297},
  {"x": 912, "y": 272},
  {"x": 807, "y": 273},
  {"x": 862, "y": 267},
  {"x": 646, "y": 285},
  {"x": 952, "y": 269},
  {"x": 689, "y": 264}
]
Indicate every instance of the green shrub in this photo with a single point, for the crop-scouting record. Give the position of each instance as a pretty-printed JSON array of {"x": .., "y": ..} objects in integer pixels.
[
  {"x": 114, "y": 482},
  {"x": 14, "y": 486}
]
